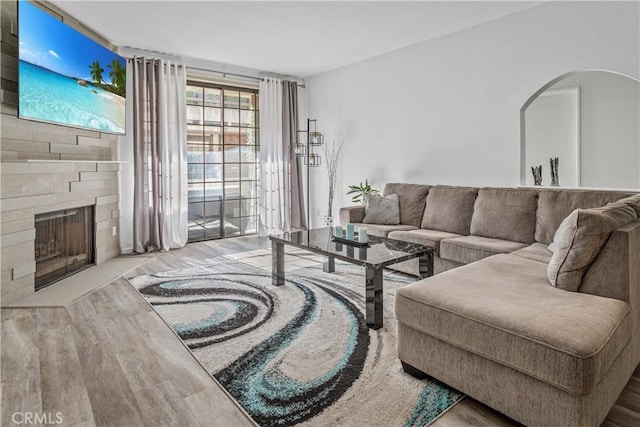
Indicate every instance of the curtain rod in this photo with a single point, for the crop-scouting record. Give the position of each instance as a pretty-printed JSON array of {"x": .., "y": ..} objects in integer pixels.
[{"x": 224, "y": 73}]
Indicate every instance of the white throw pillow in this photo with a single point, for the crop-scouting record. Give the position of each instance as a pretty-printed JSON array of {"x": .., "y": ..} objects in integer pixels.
[
  {"x": 578, "y": 242},
  {"x": 381, "y": 210}
]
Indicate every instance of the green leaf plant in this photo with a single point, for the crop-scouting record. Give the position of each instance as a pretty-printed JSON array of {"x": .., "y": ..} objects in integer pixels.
[{"x": 359, "y": 191}]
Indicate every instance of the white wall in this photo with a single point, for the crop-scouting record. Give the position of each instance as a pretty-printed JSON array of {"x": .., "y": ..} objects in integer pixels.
[{"x": 447, "y": 111}]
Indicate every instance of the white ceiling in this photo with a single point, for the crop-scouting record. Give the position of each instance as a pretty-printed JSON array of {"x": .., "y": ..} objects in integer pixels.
[{"x": 296, "y": 38}]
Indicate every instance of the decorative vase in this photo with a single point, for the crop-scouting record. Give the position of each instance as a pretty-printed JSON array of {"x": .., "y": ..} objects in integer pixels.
[
  {"x": 327, "y": 221},
  {"x": 554, "y": 172},
  {"x": 537, "y": 175}
]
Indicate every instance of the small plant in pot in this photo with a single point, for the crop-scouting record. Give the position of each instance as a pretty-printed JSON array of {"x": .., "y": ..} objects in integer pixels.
[{"x": 358, "y": 192}]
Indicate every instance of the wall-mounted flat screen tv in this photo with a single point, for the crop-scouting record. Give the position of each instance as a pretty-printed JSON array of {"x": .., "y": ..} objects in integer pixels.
[{"x": 67, "y": 78}]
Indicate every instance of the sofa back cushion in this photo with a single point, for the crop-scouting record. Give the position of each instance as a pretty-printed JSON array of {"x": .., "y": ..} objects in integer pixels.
[
  {"x": 412, "y": 200},
  {"x": 505, "y": 213},
  {"x": 556, "y": 205},
  {"x": 449, "y": 209},
  {"x": 579, "y": 239}
]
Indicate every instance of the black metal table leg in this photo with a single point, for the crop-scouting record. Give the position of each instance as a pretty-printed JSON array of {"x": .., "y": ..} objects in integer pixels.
[
  {"x": 277, "y": 263},
  {"x": 329, "y": 266},
  {"x": 374, "y": 314},
  {"x": 426, "y": 265}
]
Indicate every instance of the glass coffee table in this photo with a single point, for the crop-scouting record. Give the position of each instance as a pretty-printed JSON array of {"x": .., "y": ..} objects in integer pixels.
[{"x": 379, "y": 253}]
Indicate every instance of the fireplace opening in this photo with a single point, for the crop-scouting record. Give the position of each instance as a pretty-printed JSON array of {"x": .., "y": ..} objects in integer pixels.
[{"x": 64, "y": 244}]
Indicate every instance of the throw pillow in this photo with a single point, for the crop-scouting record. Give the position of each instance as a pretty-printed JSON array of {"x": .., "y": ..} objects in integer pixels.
[
  {"x": 633, "y": 201},
  {"x": 579, "y": 239},
  {"x": 381, "y": 210}
]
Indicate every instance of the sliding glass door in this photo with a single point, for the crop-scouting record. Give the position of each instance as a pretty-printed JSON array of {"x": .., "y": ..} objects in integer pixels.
[{"x": 222, "y": 155}]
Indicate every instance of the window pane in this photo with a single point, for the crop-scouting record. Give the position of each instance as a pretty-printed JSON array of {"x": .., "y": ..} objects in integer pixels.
[
  {"x": 248, "y": 207},
  {"x": 231, "y": 99},
  {"x": 195, "y": 153},
  {"x": 212, "y": 97},
  {"x": 232, "y": 208},
  {"x": 212, "y": 212},
  {"x": 248, "y": 189},
  {"x": 248, "y": 171},
  {"x": 212, "y": 135},
  {"x": 196, "y": 232},
  {"x": 194, "y": 134},
  {"x": 213, "y": 192},
  {"x": 247, "y": 118},
  {"x": 231, "y": 117},
  {"x": 231, "y": 154},
  {"x": 231, "y": 135},
  {"x": 195, "y": 192},
  {"x": 196, "y": 212},
  {"x": 212, "y": 116},
  {"x": 247, "y": 136},
  {"x": 212, "y": 173},
  {"x": 248, "y": 101},
  {"x": 248, "y": 154},
  {"x": 213, "y": 230},
  {"x": 231, "y": 190},
  {"x": 212, "y": 154},
  {"x": 194, "y": 95},
  {"x": 195, "y": 172},
  {"x": 194, "y": 115},
  {"x": 231, "y": 171}
]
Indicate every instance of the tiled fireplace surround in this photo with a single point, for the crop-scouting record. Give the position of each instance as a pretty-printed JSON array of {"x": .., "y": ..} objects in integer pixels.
[{"x": 47, "y": 168}]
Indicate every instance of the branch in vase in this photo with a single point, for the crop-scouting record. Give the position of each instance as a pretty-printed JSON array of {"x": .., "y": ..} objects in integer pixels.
[{"x": 332, "y": 155}]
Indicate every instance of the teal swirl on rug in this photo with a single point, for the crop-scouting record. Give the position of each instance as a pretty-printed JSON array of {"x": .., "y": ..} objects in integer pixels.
[{"x": 300, "y": 353}]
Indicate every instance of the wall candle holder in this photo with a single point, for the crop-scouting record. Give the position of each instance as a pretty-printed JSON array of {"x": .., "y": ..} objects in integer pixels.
[{"x": 305, "y": 149}]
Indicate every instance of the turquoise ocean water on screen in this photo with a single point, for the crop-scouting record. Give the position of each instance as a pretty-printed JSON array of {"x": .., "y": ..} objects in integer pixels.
[{"x": 52, "y": 97}]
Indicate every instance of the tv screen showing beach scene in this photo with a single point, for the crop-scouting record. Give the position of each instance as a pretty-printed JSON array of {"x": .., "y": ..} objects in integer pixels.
[{"x": 65, "y": 77}]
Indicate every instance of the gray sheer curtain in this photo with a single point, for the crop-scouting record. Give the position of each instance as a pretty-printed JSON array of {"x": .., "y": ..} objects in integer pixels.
[
  {"x": 160, "y": 179},
  {"x": 289, "y": 135}
]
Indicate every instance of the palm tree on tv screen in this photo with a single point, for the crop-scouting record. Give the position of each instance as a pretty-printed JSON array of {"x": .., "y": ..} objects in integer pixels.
[
  {"x": 118, "y": 76},
  {"x": 96, "y": 72}
]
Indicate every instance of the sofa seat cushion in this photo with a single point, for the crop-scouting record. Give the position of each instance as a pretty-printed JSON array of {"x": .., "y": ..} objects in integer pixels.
[
  {"x": 383, "y": 230},
  {"x": 536, "y": 252},
  {"x": 502, "y": 308},
  {"x": 423, "y": 237},
  {"x": 468, "y": 249}
]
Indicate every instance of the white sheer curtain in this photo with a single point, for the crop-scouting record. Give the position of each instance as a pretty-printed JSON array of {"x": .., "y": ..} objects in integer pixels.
[
  {"x": 160, "y": 187},
  {"x": 274, "y": 161}
]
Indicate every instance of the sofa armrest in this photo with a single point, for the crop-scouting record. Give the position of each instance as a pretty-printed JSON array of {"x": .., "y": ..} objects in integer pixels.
[
  {"x": 615, "y": 272},
  {"x": 353, "y": 214}
]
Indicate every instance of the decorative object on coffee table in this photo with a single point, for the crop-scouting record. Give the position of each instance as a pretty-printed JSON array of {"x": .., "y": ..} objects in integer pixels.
[
  {"x": 554, "y": 171},
  {"x": 332, "y": 155},
  {"x": 359, "y": 191},
  {"x": 537, "y": 174}
]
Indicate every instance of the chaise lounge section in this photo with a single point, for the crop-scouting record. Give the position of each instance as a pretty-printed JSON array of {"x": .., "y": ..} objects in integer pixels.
[{"x": 492, "y": 325}]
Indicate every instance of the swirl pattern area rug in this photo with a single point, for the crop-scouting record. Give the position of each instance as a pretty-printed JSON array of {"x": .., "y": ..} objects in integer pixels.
[{"x": 299, "y": 353}]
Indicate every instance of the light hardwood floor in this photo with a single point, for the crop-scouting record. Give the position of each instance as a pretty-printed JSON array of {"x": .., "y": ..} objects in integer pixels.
[{"x": 109, "y": 360}]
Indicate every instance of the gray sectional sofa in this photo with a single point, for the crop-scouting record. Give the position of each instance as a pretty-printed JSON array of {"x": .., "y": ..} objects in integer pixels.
[{"x": 491, "y": 324}]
